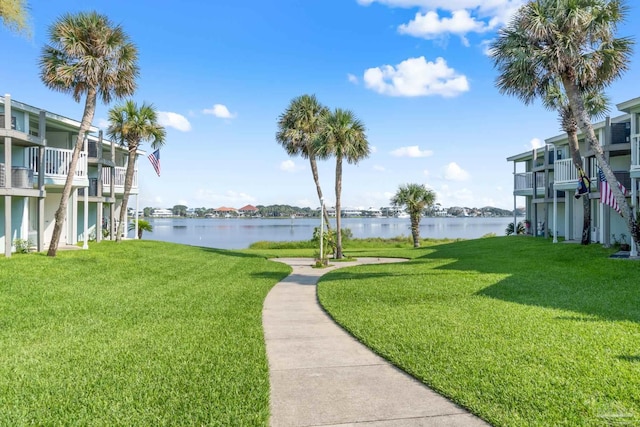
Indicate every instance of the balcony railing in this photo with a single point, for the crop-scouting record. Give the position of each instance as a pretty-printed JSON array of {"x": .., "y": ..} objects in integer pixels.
[
  {"x": 565, "y": 171},
  {"x": 56, "y": 162},
  {"x": 119, "y": 179},
  {"x": 524, "y": 181},
  {"x": 635, "y": 151}
]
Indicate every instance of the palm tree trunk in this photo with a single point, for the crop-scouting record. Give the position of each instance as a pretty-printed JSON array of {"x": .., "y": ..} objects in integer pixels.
[
  {"x": 415, "y": 229},
  {"x": 575, "y": 100},
  {"x": 338, "y": 208},
  {"x": 128, "y": 182},
  {"x": 61, "y": 213},
  {"x": 574, "y": 149},
  {"x": 316, "y": 179}
]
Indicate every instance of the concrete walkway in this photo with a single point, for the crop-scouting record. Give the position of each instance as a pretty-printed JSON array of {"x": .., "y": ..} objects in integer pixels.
[{"x": 321, "y": 376}]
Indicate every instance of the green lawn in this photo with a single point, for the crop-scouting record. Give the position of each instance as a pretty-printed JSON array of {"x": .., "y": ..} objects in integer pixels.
[
  {"x": 138, "y": 333},
  {"x": 521, "y": 331}
]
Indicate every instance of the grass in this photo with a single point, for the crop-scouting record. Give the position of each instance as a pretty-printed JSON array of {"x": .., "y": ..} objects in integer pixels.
[
  {"x": 521, "y": 331},
  {"x": 138, "y": 333}
]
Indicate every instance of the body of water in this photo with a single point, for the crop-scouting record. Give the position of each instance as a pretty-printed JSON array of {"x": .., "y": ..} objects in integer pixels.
[{"x": 239, "y": 233}]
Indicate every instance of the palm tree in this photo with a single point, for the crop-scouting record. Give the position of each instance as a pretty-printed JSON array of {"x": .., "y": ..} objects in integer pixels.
[
  {"x": 143, "y": 225},
  {"x": 341, "y": 135},
  {"x": 572, "y": 42},
  {"x": 130, "y": 126},
  {"x": 297, "y": 130},
  {"x": 596, "y": 104},
  {"x": 14, "y": 15},
  {"x": 87, "y": 56},
  {"x": 415, "y": 197}
]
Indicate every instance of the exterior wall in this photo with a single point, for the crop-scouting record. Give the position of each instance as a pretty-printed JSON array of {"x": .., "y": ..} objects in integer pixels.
[
  {"x": 93, "y": 228},
  {"x": 19, "y": 220}
]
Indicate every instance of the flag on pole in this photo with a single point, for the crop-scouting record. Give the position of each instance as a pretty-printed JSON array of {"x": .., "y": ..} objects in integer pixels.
[
  {"x": 154, "y": 158},
  {"x": 583, "y": 184},
  {"x": 606, "y": 195}
]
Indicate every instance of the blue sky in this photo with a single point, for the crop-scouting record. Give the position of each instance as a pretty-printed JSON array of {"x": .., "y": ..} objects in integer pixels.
[{"x": 414, "y": 71}]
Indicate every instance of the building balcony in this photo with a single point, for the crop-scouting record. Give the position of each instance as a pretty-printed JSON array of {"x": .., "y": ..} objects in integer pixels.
[
  {"x": 118, "y": 183},
  {"x": 635, "y": 156},
  {"x": 524, "y": 184},
  {"x": 55, "y": 166}
]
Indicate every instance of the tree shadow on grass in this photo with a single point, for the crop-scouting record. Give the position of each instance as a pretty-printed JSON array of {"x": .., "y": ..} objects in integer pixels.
[
  {"x": 629, "y": 358},
  {"x": 231, "y": 253},
  {"x": 537, "y": 272}
]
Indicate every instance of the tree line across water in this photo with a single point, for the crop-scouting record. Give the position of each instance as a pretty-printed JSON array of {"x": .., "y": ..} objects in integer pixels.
[{"x": 286, "y": 211}]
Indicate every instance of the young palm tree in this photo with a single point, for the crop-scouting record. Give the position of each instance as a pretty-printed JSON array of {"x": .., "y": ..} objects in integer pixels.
[
  {"x": 572, "y": 42},
  {"x": 130, "y": 126},
  {"x": 341, "y": 135},
  {"x": 87, "y": 56},
  {"x": 297, "y": 129},
  {"x": 415, "y": 197},
  {"x": 143, "y": 225}
]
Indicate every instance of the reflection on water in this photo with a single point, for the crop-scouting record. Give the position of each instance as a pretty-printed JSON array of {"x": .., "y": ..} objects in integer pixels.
[{"x": 235, "y": 233}]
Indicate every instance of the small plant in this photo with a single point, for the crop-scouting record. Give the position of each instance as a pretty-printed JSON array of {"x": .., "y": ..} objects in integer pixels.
[
  {"x": 520, "y": 229},
  {"x": 22, "y": 246},
  {"x": 620, "y": 243},
  {"x": 143, "y": 225}
]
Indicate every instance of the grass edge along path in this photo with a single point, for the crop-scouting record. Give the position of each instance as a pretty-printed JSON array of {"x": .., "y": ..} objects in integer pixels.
[
  {"x": 520, "y": 331},
  {"x": 137, "y": 333}
]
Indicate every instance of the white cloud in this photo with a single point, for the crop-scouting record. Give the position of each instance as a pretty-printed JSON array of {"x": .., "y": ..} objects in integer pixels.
[
  {"x": 416, "y": 77},
  {"x": 352, "y": 79},
  {"x": 485, "y": 45},
  {"x": 378, "y": 168},
  {"x": 103, "y": 124},
  {"x": 430, "y": 26},
  {"x": 289, "y": 166},
  {"x": 447, "y": 196},
  {"x": 174, "y": 120},
  {"x": 411, "y": 151},
  {"x": 535, "y": 143},
  {"x": 426, "y": 173},
  {"x": 229, "y": 198},
  {"x": 466, "y": 16},
  {"x": 221, "y": 111},
  {"x": 453, "y": 172}
]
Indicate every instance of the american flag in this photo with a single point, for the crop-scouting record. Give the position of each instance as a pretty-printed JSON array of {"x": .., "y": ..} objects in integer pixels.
[
  {"x": 606, "y": 195},
  {"x": 154, "y": 158}
]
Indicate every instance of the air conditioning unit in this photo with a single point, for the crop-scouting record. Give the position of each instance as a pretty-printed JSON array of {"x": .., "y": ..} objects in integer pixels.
[{"x": 21, "y": 177}]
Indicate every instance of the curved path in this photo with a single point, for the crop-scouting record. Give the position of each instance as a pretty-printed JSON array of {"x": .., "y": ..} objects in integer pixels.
[{"x": 321, "y": 376}]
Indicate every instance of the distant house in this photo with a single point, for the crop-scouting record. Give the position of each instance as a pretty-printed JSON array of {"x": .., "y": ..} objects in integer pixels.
[
  {"x": 248, "y": 210},
  {"x": 226, "y": 212},
  {"x": 162, "y": 213}
]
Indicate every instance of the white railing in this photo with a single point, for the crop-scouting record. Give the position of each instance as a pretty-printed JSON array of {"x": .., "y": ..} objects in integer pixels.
[
  {"x": 565, "y": 171},
  {"x": 635, "y": 151},
  {"x": 593, "y": 167},
  {"x": 524, "y": 181},
  {"x": 121, "y": 174},
  {"x": 56, "y": 162}
]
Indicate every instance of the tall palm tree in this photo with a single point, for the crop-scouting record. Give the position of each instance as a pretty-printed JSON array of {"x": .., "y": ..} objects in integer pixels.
[
  {"x": 341, "y": 135},
  {"x": 87, "y": 56},
  {"x": 596, "y": 104},
  {"x": 130, "y": 126},
  {"x": 297, "y": 129},
  {"x": 415, "y": 197},
  {"x": 14, "y": 15},
  {"x": 572, "y": 42}
]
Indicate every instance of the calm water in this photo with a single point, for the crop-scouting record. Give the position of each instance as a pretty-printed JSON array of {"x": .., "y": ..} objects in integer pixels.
[{"x": 237, "y": 233}]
